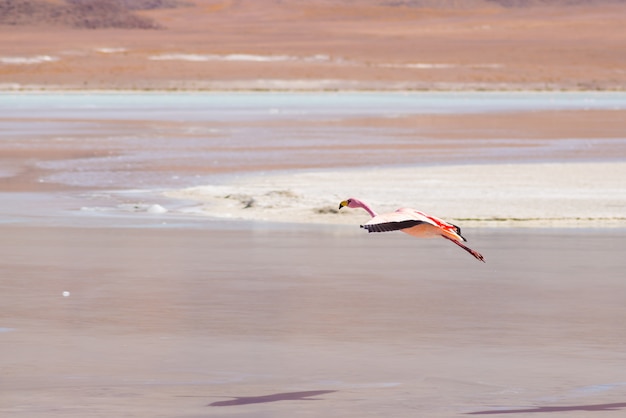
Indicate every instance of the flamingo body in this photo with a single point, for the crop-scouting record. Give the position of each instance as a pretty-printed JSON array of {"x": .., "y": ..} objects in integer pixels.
[{"x": 412, "y": 222}]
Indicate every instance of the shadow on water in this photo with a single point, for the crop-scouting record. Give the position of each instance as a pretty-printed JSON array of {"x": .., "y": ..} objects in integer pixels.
[
  {"x": 573, "y": 408},
  {"x": 276, "y": 397}
]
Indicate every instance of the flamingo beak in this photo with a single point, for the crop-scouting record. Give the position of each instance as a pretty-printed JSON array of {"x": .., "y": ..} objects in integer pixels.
[{"x": 342, "y": 204}]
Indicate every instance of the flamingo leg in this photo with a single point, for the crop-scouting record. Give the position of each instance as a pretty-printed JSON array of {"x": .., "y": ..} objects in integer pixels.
[{"x": 476, "y": 254}]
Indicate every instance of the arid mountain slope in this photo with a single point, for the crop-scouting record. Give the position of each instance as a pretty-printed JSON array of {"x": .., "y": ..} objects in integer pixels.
[{"x": 313, "y": 44}]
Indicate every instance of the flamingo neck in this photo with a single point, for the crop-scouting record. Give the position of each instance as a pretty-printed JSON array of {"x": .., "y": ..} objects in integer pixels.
[{"x": 366, "y": 207}]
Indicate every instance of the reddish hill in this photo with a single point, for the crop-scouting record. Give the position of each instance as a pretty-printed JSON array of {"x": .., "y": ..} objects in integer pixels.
[{"x": 87, "y": 14}]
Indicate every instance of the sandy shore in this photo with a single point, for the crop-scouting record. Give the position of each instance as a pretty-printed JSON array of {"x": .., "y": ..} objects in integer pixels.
[{"x": 257, "y": 321}]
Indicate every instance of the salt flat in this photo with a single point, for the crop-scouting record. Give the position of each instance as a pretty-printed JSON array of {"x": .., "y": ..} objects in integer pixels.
[{"x": 541, "y": 194}]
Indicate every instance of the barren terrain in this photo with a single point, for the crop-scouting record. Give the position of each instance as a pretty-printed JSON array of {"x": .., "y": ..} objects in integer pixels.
[{"x": 315, "y": 45}]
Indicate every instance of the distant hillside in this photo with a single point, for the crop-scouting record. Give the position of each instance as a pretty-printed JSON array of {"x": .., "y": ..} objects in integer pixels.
[
  {"x": 98, "y": 14},
  {"x": 89, "y": 14}
]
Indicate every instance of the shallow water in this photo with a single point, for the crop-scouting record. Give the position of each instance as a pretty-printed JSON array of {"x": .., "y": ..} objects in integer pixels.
[
  {"x": 273, "y": 106},
  {"x": 255, "y": 321},
  {"x": 131, "y": 135}
]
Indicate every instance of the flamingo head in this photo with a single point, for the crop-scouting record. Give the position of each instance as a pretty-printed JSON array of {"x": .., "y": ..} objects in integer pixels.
[
  {"x": 356, "y": 203},
  {"x": 351, "y": 203}
]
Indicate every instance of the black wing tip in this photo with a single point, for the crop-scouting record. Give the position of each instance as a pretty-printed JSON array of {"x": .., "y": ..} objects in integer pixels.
[
  {"x": 391, "y": 226},
  {"x": 458, "y": 232}
]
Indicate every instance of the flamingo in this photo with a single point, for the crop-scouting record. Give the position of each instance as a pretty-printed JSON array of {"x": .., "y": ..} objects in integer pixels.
[{"x": 412, "y": 222}]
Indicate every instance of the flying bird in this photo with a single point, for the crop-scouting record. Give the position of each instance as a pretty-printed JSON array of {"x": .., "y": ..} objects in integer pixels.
[{"x": 412, "y": 222}]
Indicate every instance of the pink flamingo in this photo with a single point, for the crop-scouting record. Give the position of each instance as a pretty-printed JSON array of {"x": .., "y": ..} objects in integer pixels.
[{"x": 412, "y": 222}]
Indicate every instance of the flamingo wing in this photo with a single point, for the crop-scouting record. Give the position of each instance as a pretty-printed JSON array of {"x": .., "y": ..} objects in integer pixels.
[
  {"x": 396, "y": 221},
  {"x": 391, "y": 226},
  {"x": 446, "y": 226}
]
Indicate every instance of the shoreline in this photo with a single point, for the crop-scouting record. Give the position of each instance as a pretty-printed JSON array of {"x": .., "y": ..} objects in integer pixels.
[
  {"x": 304, "y": 199},
  {"x": 464, "y": 88},
  {"x": 488, "y": 195}
]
